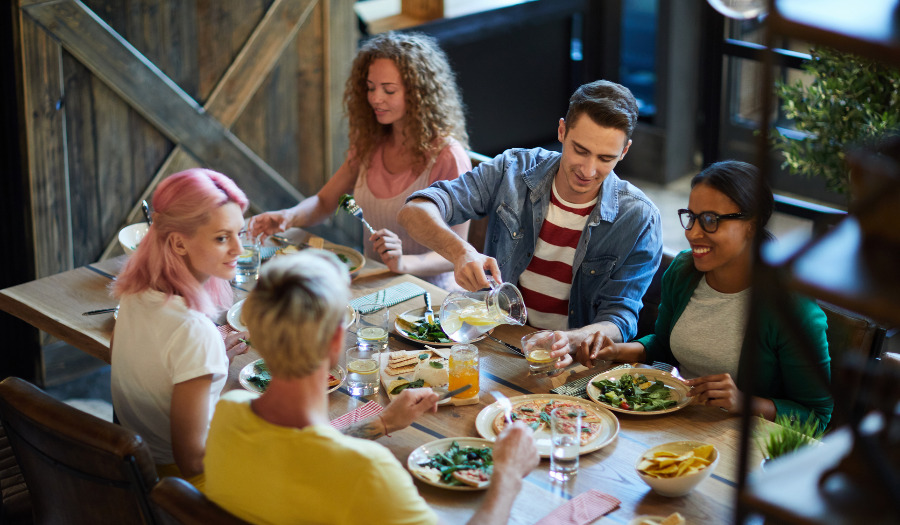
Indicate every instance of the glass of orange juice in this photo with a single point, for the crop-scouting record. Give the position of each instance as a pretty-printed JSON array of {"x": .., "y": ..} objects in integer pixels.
[{"x": 464, "y": 369}]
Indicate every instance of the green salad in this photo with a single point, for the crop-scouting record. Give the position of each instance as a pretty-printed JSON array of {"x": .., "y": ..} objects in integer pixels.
[
  {"x": 261, "y": 376},
  {"x": 635, "y": 393},
  {"x": 457, "y": 458},
  {"x": 422, "y": 330}
]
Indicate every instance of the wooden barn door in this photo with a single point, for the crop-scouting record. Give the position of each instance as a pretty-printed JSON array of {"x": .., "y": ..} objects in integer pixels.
[{"x": 113, "y": 95}]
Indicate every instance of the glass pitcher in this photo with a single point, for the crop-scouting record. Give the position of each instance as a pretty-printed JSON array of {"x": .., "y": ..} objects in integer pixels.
[{"x": 467, "y": 315}]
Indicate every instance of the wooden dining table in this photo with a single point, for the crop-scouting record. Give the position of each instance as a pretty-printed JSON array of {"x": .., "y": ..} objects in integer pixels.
[{"x": 54, "y": 304}]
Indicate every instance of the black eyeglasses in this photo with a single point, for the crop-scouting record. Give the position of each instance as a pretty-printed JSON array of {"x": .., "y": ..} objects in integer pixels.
[{"x": 709, "y": 221}]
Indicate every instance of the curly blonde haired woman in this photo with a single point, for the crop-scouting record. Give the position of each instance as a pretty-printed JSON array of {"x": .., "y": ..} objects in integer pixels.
[{"x": 407, "y": 131}]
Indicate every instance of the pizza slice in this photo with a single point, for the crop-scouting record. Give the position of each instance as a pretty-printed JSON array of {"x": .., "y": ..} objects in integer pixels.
[{"x": 528, "y": 411}]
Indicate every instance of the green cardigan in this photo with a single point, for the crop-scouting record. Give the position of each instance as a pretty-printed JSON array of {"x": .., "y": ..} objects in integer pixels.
[{"x": 783, "y": 375}]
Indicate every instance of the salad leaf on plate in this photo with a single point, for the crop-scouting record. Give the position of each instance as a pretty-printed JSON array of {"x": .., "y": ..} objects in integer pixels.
[{"x": 635, "y": 393}]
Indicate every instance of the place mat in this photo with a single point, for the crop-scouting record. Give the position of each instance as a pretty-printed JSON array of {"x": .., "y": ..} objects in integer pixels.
[
  {"x": 225, "y": 329},
  {"x": 267, "y": 252},
  {"x": 368, "y": 410},
  {"x": 387, "y": 297},
  {"x": 581, "y": 509}
]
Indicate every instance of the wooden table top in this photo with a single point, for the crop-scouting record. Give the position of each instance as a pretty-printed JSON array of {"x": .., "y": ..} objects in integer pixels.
[{"x": 54, "y": 304}]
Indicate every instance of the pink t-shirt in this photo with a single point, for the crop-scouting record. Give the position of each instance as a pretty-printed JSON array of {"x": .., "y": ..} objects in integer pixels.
[{"x": 381, "y": 194}]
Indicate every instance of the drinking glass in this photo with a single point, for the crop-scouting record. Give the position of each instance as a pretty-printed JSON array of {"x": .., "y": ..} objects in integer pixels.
[
  {"x": 565, "y": 443},
  {"x": 467, "y": 315},
  {"x": 372, "y": 328},
  {"x": 536, "y": 346},
  {"x": 464, "y": 369},
  {"x": 248, "y": 262}
]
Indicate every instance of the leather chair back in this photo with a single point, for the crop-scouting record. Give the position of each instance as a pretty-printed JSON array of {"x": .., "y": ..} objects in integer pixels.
[
  {"x": 652, "y": 297},
  {"x": 78, "y": 468},
  {"x": 181, "y": 503}
]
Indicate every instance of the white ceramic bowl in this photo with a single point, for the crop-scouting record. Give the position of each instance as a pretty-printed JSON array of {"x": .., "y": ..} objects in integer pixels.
[
  {"x": 673, "y": 487},
  {"x": 130, "y": 236}
]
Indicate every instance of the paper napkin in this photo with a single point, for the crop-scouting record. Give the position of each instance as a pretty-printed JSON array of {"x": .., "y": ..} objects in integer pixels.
[
  {"x": 581, "y": 509},
  {"x": 368, "y": 410},
  {"x": 387, "y": 297}
]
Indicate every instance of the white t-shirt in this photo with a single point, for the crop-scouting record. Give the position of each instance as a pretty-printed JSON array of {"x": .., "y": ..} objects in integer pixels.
[
  {"x": 708, "y": 336},
  {"x": 158, "y": 344}
]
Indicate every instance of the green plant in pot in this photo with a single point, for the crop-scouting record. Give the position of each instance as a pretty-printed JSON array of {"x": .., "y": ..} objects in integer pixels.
[
  {"x": 791, "y": 434},
  {"x": 850, "y": 101}
]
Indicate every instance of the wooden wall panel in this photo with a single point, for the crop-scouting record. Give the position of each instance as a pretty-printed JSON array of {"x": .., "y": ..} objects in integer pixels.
[
  {"x": 48, "y": 179},
  {"x": 106, "y": 121}
]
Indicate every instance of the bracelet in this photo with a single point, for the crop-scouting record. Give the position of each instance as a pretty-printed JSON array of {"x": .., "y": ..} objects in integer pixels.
[{"x": 384, "y": 425}]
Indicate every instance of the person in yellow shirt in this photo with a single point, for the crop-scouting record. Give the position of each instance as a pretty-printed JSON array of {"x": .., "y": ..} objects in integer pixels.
[{"x": 275, "y": 458}]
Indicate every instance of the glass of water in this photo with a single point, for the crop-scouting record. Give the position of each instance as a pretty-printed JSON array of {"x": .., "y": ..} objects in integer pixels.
[
  {"x": 363, "y": 360},
  {"x": 536, "y": 347},
  {"x": 248, "y": 262},
  {"x": 565, "y": 443}
]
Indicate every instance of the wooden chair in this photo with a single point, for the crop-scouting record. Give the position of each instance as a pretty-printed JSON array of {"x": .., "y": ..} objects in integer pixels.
[
  {"x": 851, "y": 332},
  {"x": 184, "y": 504},
  {"x": 78, "y": 468},
  {"x": 15, "y": 501}
]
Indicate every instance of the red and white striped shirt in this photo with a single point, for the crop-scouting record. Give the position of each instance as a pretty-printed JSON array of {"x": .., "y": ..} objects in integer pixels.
[{"x": 545, "y": 284}]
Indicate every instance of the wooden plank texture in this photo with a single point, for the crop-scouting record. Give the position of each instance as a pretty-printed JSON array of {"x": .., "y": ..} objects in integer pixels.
[{"x": 161, "y": 101}]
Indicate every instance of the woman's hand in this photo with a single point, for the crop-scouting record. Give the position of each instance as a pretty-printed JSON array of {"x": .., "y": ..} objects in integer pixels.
[
  {"x": 235, "y": 344},
  {"x": 270, "y": 222},
  {"x": 596, "y": 347},
  {"x": 389, "y": 246},
  {"x": 718, "y": 390}
]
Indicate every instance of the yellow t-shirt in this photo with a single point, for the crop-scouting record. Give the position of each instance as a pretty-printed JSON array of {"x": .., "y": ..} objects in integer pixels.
[{"x": 266, "y": 473}]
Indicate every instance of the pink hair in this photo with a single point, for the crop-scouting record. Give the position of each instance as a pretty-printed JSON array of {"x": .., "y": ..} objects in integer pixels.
[{"x": 182, "y": 203}]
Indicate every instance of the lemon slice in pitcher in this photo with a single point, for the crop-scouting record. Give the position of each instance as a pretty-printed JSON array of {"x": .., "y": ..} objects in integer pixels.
[{"x": 362, "y": 366}]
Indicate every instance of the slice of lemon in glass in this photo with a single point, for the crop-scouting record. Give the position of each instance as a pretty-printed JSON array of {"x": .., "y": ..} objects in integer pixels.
[
  {"x": 539, "y": 356},
  {"x": 362, "y": 366}
]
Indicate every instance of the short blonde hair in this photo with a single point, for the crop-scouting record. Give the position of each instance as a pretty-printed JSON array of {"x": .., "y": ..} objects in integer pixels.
[{"x": 294, "y": 310}]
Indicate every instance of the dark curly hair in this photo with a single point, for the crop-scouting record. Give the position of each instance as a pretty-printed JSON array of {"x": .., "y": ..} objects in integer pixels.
[{"x": 434, "y": 108}]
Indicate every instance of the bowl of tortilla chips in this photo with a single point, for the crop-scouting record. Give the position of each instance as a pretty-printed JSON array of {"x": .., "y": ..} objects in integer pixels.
[{"x": 676, "y": 468}]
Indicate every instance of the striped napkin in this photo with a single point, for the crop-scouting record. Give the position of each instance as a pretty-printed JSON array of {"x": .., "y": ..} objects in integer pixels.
[
  {"x": 582, "y": 509},
  {"x": 387, "y": 297},
  {"x": 368, "y": 410}
]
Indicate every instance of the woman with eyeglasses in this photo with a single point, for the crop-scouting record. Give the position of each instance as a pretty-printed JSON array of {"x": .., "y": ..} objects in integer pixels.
[{"x": 705, "y": 301}]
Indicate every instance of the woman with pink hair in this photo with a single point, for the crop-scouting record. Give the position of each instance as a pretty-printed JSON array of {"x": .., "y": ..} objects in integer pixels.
[{"x": 169, "y": 362}]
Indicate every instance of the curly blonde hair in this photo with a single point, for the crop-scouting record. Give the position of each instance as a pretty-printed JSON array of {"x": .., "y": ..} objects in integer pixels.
[{"x": 434, "y": 109}]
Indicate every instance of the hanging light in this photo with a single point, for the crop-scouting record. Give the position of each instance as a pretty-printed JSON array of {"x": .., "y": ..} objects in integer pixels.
[{"x": 740, "y": 9}]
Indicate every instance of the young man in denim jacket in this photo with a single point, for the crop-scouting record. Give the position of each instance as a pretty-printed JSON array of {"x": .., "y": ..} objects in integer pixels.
[{"x": 619, "y": 248}]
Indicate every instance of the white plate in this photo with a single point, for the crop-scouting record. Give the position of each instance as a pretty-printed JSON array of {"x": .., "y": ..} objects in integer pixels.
[
  {"x": 250, "y": 370},
  {"x": 234, "y": 316},
  {"x": 350, "y": 317},
  {"x": 679, "y": 391},
  {"x": 484, "y": 423},
  {"x": 420, "y": 313},
  {"x": 420, "y": 455},
  {"x": 356, "y": 259}
]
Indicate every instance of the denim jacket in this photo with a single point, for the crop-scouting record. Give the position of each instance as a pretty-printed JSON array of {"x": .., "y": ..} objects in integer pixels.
[{"x": 617, "y": 255}]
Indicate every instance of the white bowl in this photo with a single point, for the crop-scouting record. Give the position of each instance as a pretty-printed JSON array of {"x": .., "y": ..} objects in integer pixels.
[
  {"x": 681, "y": 485},
  {"x": 130, "y": 236}
]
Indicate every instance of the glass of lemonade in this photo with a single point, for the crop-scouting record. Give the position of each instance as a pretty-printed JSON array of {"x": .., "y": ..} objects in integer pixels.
[
  {"x": 536, "y": 347},
  {"x": 248, "y": 262},
  {"x": 464, "y": 369},
  {"x": 565, "y": 443},
  {"x": 363, "y": 359}
]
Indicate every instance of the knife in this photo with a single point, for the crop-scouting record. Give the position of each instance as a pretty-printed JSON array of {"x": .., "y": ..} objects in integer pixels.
[
  {"x": 103, "y": 311},
  {"x": 452, "y": 393},
  {"x": 507, "y": 345},
  {"x": 429, "y": 313}
]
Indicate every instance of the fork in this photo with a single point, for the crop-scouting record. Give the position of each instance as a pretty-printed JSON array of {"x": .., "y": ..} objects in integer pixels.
[
  {"x": 504, "y": 404},
  {"x": 666, "y": 367},
  {"x": 354, "y": 209}
]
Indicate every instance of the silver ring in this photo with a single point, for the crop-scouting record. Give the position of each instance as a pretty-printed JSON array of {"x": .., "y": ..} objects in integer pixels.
[{"x": 723, "y": 409}]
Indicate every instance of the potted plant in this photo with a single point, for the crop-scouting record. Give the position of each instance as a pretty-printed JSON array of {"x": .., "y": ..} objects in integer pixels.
[
  {"x": 850, "y": 101},
  {"x": 791, "y": 434}
]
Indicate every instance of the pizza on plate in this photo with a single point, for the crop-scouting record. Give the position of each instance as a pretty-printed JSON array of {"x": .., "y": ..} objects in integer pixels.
[{"x": 536, "y": 414}]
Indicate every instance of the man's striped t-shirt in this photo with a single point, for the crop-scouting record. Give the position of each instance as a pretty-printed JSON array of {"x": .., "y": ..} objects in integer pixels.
[{"x": 545, "y": 284}]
